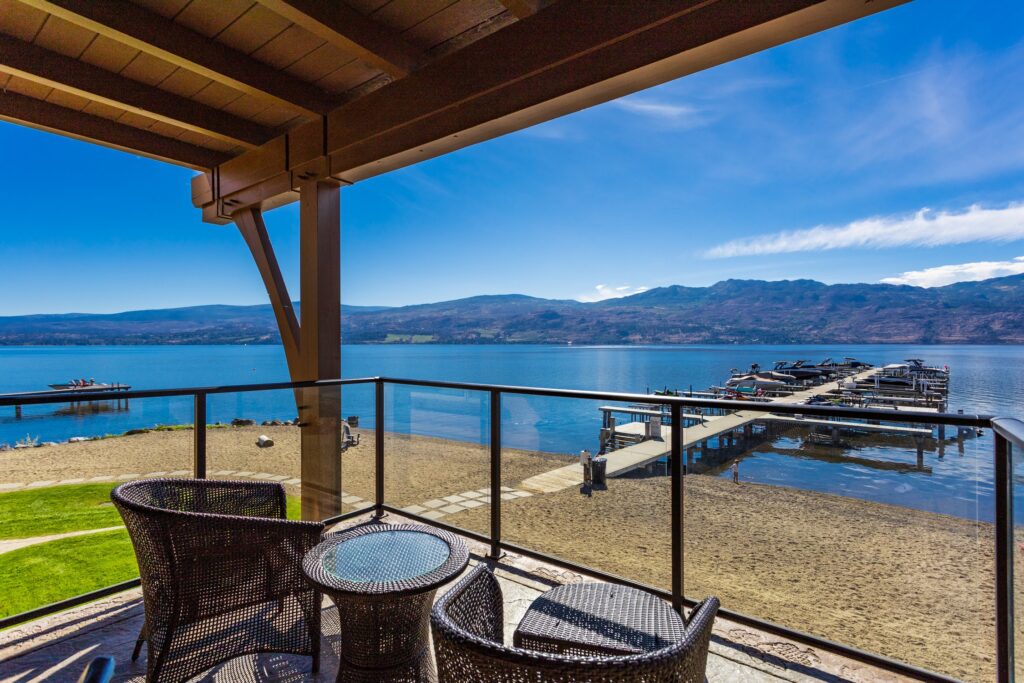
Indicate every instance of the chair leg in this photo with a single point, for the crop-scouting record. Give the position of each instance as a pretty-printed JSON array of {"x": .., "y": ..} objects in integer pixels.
[{"x": 138, "y": 643}]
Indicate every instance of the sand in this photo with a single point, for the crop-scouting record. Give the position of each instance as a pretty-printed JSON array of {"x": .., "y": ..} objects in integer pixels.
[{"x": 911, "y": 585}]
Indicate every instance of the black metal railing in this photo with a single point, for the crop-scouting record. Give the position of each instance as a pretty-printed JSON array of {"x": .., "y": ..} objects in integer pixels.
[{"x": 1008, "y": 435}]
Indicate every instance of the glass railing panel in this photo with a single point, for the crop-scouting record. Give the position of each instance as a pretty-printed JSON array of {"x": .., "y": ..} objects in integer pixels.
[
  {"x": 1016, "y": 457},
  {"x": 61, "y": 534},
  {"x": 621, "y": 526},
  {"x": 261, "y": 435},
  {"x": 869, "y": 535},
  {"x": 437, "y": 453}
]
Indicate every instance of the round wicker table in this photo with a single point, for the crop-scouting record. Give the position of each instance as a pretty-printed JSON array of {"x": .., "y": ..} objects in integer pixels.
[
  {"x": 598, "y": 619},
  {"x": 382, "y": 578}
]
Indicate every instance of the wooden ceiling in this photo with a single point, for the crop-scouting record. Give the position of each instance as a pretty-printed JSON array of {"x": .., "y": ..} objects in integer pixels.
[{"x": 263, "y": 95}]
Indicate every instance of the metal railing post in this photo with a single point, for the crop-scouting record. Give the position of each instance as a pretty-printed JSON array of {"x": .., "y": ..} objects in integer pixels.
[
  {"x": 199, "y": 435},
  {"x": 378, "y": 494},
  {"x": 495, "y": 474},
  {"x": 1004, "y": 559},
  {"x": 676, "y": 465}
]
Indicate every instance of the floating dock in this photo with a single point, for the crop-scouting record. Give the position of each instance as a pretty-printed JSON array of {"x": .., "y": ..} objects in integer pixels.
[{"x": 699, "y": 428}]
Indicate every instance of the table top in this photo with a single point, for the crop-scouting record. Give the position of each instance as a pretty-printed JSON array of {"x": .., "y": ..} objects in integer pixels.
[
  {"x": 385, "y": 558},
  {"x": 604, "y": 616}
]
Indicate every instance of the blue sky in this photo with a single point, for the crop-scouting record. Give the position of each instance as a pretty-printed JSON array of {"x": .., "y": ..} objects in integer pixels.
[{"x": 889, "y": 149}]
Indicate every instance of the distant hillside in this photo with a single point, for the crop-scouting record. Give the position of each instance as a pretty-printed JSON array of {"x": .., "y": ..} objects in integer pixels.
[{"x": 733, "y": 311}]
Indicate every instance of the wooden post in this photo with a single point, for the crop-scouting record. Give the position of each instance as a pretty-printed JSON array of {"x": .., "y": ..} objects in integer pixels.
[
  {"x": 320, "y": 347},
  {"x": 312, "y": 349}
]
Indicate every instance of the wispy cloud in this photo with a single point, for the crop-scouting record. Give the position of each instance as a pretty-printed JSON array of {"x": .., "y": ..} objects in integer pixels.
[
  {"x": 925, "y": 228},
  {"x": 602, "y": 292},
  {"x": 959, "y": 272},
  {"x": 666, "y": 112}
]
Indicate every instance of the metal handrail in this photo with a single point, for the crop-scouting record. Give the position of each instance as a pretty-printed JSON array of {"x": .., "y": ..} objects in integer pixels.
[
  {"x": 1010, "y": 428},
  {"x": 1007, "y": 431}
]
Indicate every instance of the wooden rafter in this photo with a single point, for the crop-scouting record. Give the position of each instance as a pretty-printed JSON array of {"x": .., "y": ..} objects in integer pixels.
[
  {"x": 52, "y": 69},
  {"x": 137, "y": 27},
  {"x": 347, "y": 29},
  {"x": 55, "y": 119},
  {"x": 522, "y": 8},
  {"x": 570, "y": 55}
]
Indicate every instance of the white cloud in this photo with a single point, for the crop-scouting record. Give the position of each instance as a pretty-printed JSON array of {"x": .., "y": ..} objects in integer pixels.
[
  {"x": 664, "y": 111},
  {"x": 926, "y": 228},
  {"x": 960, "y": 272},
  {"x": 602, "y": 292}
]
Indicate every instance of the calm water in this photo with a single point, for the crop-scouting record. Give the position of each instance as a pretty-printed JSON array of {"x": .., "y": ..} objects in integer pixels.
[{"x": 985, "y": 379}]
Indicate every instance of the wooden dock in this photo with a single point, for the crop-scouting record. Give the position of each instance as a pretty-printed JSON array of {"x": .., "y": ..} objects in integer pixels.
[{"x": 645, "y": 452}]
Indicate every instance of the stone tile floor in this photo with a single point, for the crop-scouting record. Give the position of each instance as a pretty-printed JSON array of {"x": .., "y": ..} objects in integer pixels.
[{"x": 55, "y": 649}]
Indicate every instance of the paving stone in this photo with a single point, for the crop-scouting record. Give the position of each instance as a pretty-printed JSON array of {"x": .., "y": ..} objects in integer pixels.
[
  {"x": 128, "y": 477},
  {"x": 103, "y": 477},
  {"x": 351, "y": 500},
  {"x": 263, "y": 475},
  {"x": 292, "y": 482},
  {"x": 38, "y": 484},
  {"x": 471, "y": 494},
  {"x": 449, "y": 509},
  {"x": 454, "y": 499},
  {"x": 435, "y": 503},
  {"x": 486, "y": 500},
  {"x": 155, "y": 474},
  {"x": 223, "y": 473},
  {"x": 181, "y": 473},
  {"x": 507, "y": 488},
  {"x": 433, "y": 514},
  {"x": 486, "y": 491},
  {"x": 471, "y": 504},
  {"x": 414, "y": 509},
  {"x": 243, "y": 474},
  {"x": 521, "y": 494},
  {"x": 278, "y": 477},
  {"x": 71, "y": 481},
  {"x": 8, "y": 487},
  {"x": 508, "y": 496}
]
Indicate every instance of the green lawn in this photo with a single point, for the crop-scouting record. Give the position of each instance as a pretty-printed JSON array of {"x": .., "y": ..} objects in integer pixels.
[
  {"x": 46, "y": 572},
  {"x": 56, "y": 509},
  {"x": 40, "y": 574}
]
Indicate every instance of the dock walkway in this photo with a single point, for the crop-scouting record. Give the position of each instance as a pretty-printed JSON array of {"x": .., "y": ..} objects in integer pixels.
[{"x": 638, "y": 455}]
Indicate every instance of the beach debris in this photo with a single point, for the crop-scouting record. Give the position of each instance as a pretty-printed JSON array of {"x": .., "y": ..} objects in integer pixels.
[
  {"x": 264, "y": 441},
  {"x": 242, "y": 422},
  {"x": 133, "y": 432},
  {"x": 78, "y": 439},
  {"x": 47, "y": 443},
  {"x": 28, "y": 442}
]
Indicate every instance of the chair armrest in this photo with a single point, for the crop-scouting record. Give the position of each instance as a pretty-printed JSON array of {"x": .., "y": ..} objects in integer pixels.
[
  {"x": 100, "y": 670},
  {"x": 475, "y": 605}
]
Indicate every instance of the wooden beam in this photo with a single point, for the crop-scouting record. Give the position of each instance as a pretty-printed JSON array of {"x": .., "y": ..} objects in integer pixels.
[
  {"x": 347, "y": 29},
  {"x": 75, "y": 124},
  {"x": 52, "y": 69},
  {"x": 320, "y": 408},
  {"x": 522, "y": 8},
  {"x": 254, "y": 232},
  {"x": 569, "y": 56},
  {"x": 141, "y": 29}
]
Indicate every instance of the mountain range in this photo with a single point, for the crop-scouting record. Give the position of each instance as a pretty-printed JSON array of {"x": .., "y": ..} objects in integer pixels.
[{"x": 732, "y": 311}]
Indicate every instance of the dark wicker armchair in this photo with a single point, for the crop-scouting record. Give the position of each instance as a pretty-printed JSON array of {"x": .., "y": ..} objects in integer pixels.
[
  {"x": 467, "y": 624},
  {"x": 221, "y": 572}
]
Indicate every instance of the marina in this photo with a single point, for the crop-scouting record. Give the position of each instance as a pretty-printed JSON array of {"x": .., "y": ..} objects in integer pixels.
[{"x": 640, "y": 440}]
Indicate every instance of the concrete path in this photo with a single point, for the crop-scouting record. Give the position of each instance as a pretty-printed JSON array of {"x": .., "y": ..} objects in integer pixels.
[{"x": 10, "y": 544}]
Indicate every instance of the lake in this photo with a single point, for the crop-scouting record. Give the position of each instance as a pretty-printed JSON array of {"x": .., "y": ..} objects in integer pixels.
[{"x": 984, "y": 379}]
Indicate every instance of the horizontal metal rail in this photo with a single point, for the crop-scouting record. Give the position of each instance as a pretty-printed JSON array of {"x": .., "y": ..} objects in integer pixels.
[{"x": 1008, "y": 430}]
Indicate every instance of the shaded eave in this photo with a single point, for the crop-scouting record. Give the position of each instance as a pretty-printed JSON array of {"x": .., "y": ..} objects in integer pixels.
[{"x": 263, "y": 96}]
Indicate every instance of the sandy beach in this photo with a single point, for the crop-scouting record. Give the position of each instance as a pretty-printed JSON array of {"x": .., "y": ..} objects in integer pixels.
[{"x": 912, "y": 585}]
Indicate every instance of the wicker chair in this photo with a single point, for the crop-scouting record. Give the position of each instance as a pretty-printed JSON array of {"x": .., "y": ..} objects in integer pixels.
[
  {"x": 467, "y": 624},
  {"x": 221, "y": 573}
]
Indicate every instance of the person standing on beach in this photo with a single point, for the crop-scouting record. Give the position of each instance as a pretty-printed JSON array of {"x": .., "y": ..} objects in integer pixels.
[{"x": 736, "y": 471}]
